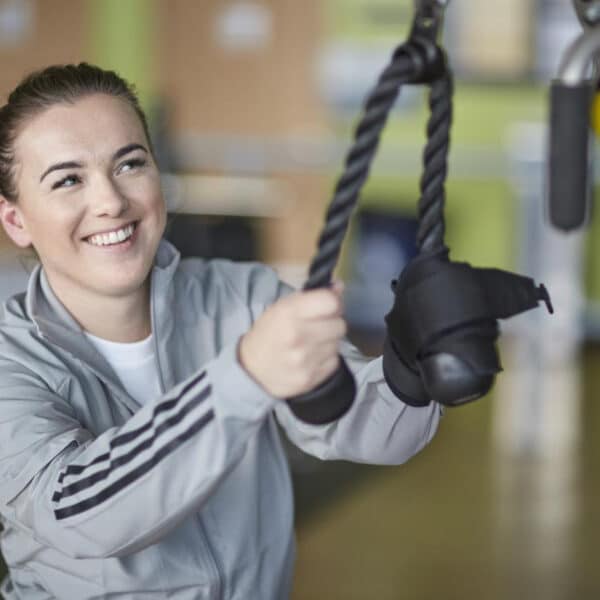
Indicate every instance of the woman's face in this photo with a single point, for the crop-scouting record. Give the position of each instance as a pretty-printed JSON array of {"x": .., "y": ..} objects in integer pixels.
[{"x": 89, "y": 197}]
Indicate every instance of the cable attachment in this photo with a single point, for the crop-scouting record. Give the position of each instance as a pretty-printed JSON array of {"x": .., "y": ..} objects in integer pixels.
[
  {"x": 419, "y": 60},
  {"x": 428, "y": 19},
  {"x": 442, "y": 329},
  {"x": 588, "y": 12},
  {"x": 570, "y": 160},
  {"x": 422, "y": 44}
]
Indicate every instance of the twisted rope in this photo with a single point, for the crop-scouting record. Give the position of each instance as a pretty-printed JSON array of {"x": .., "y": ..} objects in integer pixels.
[
  {"x": 430, "y": 235},
  {"x": 405, "y": 67}
]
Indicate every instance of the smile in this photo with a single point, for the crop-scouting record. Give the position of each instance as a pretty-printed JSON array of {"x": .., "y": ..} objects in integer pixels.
[{"x": 113, "y": 237}]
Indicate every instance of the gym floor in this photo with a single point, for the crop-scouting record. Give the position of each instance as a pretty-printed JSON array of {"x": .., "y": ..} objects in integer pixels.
[{"x": 467, "y": 519}]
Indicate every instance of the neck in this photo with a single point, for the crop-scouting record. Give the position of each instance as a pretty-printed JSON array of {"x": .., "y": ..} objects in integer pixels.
[{"x": 115, "y": 318}]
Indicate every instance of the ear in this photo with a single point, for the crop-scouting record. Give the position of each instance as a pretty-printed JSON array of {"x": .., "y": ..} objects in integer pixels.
[{"x": 13, "y": 223}]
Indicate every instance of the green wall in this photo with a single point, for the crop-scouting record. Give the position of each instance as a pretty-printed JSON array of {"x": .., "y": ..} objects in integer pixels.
[
  {"x": 481, "y": 211},
  {"x": 123, "y": 35}
]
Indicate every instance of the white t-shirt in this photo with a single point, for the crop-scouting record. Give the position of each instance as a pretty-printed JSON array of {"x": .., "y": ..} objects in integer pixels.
[{"x": 134, "y": 364}]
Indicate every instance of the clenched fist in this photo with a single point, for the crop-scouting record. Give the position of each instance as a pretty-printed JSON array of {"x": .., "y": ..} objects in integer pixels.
[{"x": 293, "y": 346}]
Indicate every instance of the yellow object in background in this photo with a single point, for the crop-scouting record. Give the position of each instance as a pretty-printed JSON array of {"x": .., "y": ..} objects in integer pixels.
[{"x": 596, "y": 114}]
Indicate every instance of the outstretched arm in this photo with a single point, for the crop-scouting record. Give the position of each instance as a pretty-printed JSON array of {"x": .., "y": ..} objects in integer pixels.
[
  {"x": 294, "y": 345},
  {"x": 378, "y": 429}
]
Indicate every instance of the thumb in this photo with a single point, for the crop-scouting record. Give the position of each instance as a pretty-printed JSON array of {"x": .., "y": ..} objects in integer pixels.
[{"x": 338, "y": 287}]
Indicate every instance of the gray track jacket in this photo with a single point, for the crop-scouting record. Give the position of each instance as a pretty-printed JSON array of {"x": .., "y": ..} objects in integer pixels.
[{"x": 189, "y": 496}]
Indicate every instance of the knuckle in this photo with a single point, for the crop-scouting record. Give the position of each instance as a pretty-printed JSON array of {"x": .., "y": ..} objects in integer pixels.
[
  {"x": 291, "y": 336},
  {"x": 331, "y": 370},
  {"x": 298, "y": 358},
  {"x": 330, "y": 301},
  {"x": 333, "y": 361},
  {"x": 306, "y": 380},
  {"x": 342, "y": 328},
  {"x": 287, "y": 306},
  {"x": 337, "y": 301}
]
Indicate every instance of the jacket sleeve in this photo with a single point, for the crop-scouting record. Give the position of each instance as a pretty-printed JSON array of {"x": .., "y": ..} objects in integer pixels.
[
  {"x": 123, "y": 490},
  {"x": 378, "y": 429}
]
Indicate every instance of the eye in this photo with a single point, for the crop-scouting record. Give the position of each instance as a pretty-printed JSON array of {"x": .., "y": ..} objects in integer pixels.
[
  {"x": 66, "y": 182},
  {"x": 131, "y": 164}
]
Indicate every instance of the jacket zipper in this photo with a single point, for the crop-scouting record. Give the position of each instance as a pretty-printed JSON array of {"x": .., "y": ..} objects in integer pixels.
[
  {"x": 161, "y": 380},
  {"x": 210, "y": 553},
  {"x": 214, "y": 561}
]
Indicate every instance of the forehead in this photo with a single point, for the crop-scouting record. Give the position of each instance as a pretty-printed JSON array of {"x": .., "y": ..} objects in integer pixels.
[{"x": 93, "y": 126}]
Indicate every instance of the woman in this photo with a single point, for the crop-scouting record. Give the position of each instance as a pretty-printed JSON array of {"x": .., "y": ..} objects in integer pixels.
[{"x": 139, "y": 453}]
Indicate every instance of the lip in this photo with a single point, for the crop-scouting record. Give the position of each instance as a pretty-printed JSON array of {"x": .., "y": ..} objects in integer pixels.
[
  {"x": 135, "y": 224},
  {"x": 121, "y": 246}
]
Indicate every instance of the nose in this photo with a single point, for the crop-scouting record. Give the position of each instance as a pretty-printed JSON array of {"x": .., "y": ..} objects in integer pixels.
[{"x": 108, "y": 200}]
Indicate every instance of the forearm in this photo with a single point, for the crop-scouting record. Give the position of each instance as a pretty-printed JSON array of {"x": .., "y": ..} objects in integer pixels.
[{"x": 379, "y": 428}]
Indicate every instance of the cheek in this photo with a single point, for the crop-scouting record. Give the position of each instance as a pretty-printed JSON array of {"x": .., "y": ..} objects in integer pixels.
[
  {"x": 163, "y": 216},
  {"x": 147, "y": 193},
  {"x": 155, "y": 203},
  {"x": 54, "y": 222}
]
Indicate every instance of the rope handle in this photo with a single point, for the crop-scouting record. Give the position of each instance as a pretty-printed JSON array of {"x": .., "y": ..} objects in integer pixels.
[{"x": 419, "y": 60}]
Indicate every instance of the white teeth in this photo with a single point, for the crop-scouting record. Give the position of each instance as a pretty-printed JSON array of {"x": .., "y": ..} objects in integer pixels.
[{"x": 114, "y": 237}]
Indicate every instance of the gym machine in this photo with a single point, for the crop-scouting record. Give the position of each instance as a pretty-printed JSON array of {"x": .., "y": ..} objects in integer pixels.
[
  {"x": 443, "y": 326},
  {"x": 570, "y": 173}
]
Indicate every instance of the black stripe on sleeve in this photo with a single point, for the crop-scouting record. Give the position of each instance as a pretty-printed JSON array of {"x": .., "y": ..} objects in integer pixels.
[
  {"x": 134, "y": 475},
  {"x": 131, "y": 435},
  {"x": 87, "y": 482}
]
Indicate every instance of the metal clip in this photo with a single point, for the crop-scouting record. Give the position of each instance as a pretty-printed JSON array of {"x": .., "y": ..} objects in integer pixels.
[
  {"x": 581, "y": 60},
  {"x": 588, "y": 12},
  {"x": 429, "y": 18},
  {"x": 422, "y": 44}
]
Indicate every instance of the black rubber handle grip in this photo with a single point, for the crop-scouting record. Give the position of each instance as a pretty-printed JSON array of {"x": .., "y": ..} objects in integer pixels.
[
  {"x": 328, "y": 401},
  {"x": 402, "y": 380},
  {"x": 569, "y": 168},
  {"x": 466, "y": 371}
]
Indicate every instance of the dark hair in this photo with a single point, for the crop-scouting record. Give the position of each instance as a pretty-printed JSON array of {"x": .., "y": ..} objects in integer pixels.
[{"x": 42, "y": 89}]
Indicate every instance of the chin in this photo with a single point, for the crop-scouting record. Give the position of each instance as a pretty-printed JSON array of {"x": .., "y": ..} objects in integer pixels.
[
  {"x": 122, "y": 290},
  {"x": 123, "y": 282}
]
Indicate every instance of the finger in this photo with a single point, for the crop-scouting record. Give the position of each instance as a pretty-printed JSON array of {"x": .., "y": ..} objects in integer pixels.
[
  {"x": 318, "y": 304},
  {"x": 317, "y": 331},
  {"x": 338, "y": 287},
  {"x": 324, "y": 330}
]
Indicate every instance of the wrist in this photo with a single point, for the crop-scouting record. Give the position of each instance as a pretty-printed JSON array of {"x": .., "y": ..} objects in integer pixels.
[{"x": 244, "y": 355}]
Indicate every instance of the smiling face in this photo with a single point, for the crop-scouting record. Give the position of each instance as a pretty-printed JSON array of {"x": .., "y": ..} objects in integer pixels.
[{"x": 89, "y": 198}]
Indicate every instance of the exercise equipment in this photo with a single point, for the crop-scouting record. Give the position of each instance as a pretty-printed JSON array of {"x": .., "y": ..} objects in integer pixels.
[
  {"x": 570, "y": 173},
  {"x": 442, "y": 329}
]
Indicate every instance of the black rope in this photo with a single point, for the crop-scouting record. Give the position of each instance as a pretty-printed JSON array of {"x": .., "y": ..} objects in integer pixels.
[
  {"x": 408, "y": 65},
  {"x": 430, "y": 235}
]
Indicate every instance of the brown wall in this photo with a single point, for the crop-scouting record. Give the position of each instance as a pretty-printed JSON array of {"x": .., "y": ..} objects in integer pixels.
[
  {"x": 265, "y": 91},
  {"x": 58, "y": 34},
  {"x": 270, "y": 92}
]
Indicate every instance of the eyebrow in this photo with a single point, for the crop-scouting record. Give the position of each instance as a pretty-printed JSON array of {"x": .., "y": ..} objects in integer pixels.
[{"x": 71, "y": 164}]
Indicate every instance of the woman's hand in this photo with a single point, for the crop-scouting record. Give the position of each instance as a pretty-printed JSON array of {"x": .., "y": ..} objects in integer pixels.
[{"x": 293, "y": 346}]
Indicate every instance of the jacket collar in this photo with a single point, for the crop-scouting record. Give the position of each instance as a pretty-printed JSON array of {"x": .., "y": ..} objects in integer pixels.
[{"x": 54, "y": 323}]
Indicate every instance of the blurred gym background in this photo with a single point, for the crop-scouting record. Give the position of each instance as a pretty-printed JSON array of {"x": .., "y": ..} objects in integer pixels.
[{"x": 252, "y": 105}]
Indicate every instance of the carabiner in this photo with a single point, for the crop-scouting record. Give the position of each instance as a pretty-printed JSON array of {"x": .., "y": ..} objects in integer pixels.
[
  {"x": 588, "y": 12},
  {"x": 428, "y": 20}
]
